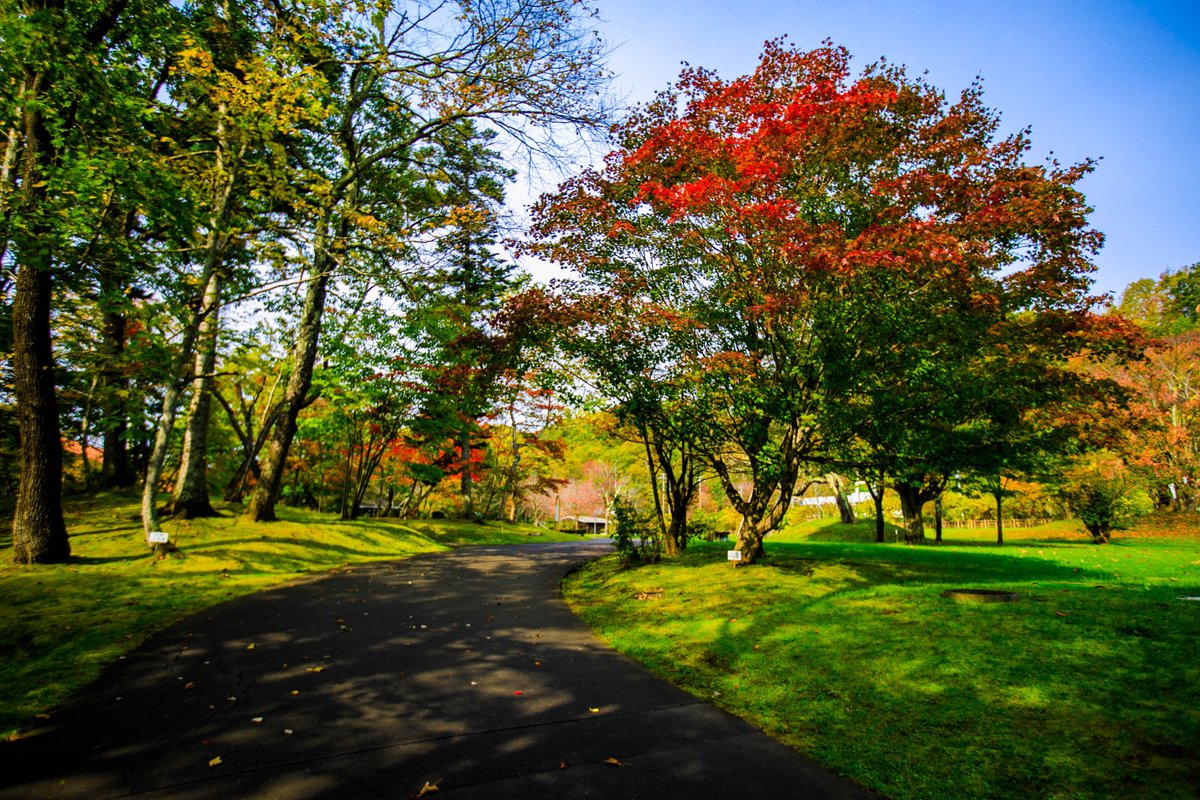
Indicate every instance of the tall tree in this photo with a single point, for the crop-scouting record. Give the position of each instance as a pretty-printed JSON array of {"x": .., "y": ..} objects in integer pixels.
[
  {"x": 464, "y": 358},
  {"x": 78, "y": 78},
  {"x": 1160, "y": 427},
  {"x": 774, "y": 216},
  {"x": 398, "y": 78},
  {"x": 240, "y": 95}
]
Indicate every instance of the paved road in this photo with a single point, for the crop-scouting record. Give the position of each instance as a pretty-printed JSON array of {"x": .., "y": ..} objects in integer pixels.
[{"x": 463, "y": 671}]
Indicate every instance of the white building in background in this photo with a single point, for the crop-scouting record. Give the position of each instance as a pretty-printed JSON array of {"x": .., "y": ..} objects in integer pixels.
[{"x": 829, "y": 500}]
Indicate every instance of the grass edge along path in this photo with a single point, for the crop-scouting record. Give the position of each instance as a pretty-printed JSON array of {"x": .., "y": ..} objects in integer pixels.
[
  {"x": 61, "y": 625},
  {"x": 1088, "y": 687}
]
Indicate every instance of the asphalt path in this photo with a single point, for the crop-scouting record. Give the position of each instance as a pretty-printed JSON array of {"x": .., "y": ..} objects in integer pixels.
[{"x": 463, "y": 671}]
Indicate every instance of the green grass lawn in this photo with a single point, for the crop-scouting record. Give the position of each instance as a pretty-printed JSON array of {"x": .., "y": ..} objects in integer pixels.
[
  {"x": 1087, "y": 687},
  {"x": 60, "y": 625}
]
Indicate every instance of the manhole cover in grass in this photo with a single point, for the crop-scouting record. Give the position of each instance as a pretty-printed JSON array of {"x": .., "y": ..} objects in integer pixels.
[{"x": 981, "y": 595}]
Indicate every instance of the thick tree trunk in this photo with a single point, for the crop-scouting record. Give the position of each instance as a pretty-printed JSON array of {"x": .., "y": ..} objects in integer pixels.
[
  {"x": 191, "y": 488},
  {"x": 261, "y": 507},
  {"x": 912, "y": 504},
  {"x": 39, "y": 532},
  {"x": 750, "y": 540}
]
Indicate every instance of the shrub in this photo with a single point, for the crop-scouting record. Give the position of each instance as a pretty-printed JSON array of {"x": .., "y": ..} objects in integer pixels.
[
  {"x": 636, "y": 538},
  {"x": 1099, "y": 490}
]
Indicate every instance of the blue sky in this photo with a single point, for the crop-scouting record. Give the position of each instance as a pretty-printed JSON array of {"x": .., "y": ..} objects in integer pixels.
[{"x": 1117, "y": 80}]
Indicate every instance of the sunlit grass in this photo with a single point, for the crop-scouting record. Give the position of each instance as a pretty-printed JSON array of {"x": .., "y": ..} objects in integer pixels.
[
  {"x": 60, "y": 625},
  {"x": 1088, "y": 687}
]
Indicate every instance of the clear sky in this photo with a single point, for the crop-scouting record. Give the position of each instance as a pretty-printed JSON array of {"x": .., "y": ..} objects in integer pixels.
[{"x": 1108, "y": 79}]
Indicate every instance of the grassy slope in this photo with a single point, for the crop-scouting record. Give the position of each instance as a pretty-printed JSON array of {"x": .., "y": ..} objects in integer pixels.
[
  {"x": 1088, "y": 687},
  {"x": 60, "y": 625}
]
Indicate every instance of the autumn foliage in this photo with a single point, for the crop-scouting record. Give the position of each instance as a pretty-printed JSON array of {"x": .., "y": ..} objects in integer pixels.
[{"x": 793, "y": 246}]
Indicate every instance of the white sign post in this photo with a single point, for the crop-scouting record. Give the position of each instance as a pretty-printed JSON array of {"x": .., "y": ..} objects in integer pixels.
[
  {"x": 735, "y": 555},
  {"x": 158, "y": 537}
]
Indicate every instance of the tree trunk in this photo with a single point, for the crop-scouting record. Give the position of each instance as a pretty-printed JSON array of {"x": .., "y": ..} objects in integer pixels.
[
  {"x": 750, "y": 539},
  {"x": 85, "y": 424},
  {"x": 465, "y": 487},
  {"x": 191, "y": 488},
  {"x": 877, "y": 498},
  {"x": 174, "y": 388},
  {"x": 509, "y": 502},
  {"x": 116, "y": 471},
  {"x": 999, "y": 518},
  {"x": 845, "y": 511},
  {"x": 877, "y": 489},
  {"x": 39, "y": 531},
  {"x": 937, "y": 519},
  {"x": 769, "y": 498},
  {"x": 912, "y": 503},
  {"x": 261, "y": 507}
]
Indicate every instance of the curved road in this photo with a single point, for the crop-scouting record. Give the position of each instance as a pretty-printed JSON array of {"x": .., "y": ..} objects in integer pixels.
[{"x": 463, "y": 670}]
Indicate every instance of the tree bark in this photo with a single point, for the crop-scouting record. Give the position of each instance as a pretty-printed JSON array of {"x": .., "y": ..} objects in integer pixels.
[
  {"x": 116, "y": 471},
  {"x": 912, "y": 503},
  {"x": 39, "y": 531},
  {"x": 191, "y": 489},
  {"x": 999, "y": 518},
  {"x": 877, "y": 497},
  {"x": 261, "y": 507},
  {"x": 769, "y": 498},
  {"x": 937, "y": 519},
  {"x": 845, "y": 511}
]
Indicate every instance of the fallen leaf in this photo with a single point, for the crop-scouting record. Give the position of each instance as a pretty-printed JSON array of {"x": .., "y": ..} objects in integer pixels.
[
  {"x": 250, "y": 646},
  {"x": 212, "y": 762},
  {"x": 594, "y": 710},
  {"x": 614, "y": 762},
  {"x": 517, "y": 693},
  {"x": 256, "y": 720},
  {"x": 1061, "y": 613},
  {"x": 562, "y": 765},
  {"x": 189, "y": 685},
  {"x": 295, "y": 692},
  {"x": 427, "y": 789},
  {"x": 288, "y": 731},
  {"x": 316, "y": 669}
]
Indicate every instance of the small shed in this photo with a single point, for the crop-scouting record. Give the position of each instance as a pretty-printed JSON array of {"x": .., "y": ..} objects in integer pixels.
[{"x": 588, "y": 525}]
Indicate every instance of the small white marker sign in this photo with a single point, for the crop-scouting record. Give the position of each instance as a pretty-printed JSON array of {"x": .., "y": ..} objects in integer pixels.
[
  {"x": 735, "y": 555},
  {"x": 158, "y": 537}
]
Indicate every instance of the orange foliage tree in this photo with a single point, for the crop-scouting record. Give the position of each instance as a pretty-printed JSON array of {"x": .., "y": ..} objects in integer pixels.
[{"x": 778, "y": 238}]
